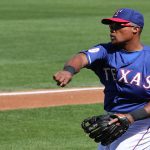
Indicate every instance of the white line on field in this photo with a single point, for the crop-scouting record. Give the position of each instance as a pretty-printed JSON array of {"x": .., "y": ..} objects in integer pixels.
[{"x": 50, "y": 91}]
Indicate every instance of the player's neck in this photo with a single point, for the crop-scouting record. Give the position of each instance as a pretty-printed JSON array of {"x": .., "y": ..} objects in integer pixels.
[{"x": 132, "y": 46}]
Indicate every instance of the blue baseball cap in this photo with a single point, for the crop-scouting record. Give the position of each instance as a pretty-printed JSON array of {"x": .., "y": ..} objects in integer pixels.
[{"x": 126, "y": 15}]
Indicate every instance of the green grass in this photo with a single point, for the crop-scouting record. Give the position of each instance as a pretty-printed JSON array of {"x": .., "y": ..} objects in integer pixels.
[
  {"x": 51, "y": 128},
  {"x": 37, "y": 37}
]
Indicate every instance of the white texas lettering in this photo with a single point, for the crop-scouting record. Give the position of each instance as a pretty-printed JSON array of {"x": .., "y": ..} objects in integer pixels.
[
  {"x": 124, "y": 75},
  {"x": 106, "y": 72},
  {"x": 148, "y": 81},
  {"x": 136, "y": 79},
  {"x": 111, "y": 71}
]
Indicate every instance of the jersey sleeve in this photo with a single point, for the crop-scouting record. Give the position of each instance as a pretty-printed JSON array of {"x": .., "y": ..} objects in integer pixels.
[{"x": 95, "y": 53}]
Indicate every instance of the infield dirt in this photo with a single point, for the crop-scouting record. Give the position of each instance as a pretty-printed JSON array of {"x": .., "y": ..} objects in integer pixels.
[{"x": 47, "y": 98}]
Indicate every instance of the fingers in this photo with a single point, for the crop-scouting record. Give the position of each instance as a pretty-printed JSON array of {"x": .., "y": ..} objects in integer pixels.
[
  {"x": 116, "y": 120},
  {"x": 62, "y": 83},
  {"x": 62, "y": 78},
  {"x": 113, "y": 121}
]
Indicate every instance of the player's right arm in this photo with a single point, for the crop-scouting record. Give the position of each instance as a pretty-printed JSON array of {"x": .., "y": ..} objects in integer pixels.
[{"x": 73, "y": 66}]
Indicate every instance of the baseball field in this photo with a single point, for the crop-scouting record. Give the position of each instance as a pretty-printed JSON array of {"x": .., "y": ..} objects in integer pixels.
[{"x": 36, "y": 38}]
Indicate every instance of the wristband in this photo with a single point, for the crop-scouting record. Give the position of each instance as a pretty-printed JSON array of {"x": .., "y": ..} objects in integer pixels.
[
  {"x": 139, "y": 114},
  {"x": 70, "y": 69}
]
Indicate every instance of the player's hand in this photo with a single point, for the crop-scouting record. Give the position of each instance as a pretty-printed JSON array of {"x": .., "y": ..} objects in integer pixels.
[
  {"x": 128, "y": 116},
  {"x": 99, "y": 129},
  {"x": 62, "y": 78}
]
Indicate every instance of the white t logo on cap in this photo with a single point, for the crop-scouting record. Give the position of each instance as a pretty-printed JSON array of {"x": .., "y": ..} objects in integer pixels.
[{"x": 117, "y": 12}]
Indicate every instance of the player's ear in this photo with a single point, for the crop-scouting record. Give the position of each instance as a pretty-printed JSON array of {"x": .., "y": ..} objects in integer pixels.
[{"x": 135, "y": 30}]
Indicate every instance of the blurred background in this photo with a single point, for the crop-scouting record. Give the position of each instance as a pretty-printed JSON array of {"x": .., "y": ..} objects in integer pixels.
[{"x": 37, "y": 38}]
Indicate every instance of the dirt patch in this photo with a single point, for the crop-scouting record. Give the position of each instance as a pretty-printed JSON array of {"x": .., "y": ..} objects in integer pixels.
[{"x": 50, "y": 98}]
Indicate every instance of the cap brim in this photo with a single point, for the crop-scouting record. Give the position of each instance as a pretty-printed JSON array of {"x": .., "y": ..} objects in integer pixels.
[{"x": 111, "y": 20}]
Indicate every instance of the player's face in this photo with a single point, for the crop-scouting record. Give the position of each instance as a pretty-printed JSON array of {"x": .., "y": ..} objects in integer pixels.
[{"x": 121, "y": 33}]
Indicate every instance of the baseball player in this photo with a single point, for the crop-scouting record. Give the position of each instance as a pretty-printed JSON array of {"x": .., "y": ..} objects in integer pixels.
[{"x": 123, "y": 67}]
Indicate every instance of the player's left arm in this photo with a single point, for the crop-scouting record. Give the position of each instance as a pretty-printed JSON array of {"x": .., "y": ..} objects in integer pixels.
[{"x": 139, "y": 114}]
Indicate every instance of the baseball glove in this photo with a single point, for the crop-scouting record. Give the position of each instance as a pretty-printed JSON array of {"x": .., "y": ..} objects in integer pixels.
[{"x": 99, "y": 128}]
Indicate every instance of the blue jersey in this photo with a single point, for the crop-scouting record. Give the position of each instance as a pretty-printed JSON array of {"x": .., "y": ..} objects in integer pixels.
[{"x": 125, "y": 75}]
